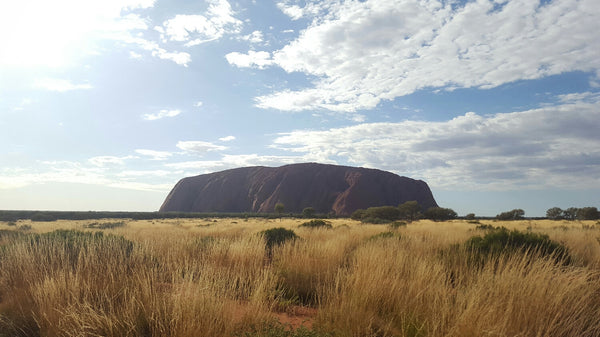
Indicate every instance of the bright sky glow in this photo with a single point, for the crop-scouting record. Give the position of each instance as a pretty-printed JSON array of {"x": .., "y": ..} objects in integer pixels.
[{"x": 105, "y": 105}]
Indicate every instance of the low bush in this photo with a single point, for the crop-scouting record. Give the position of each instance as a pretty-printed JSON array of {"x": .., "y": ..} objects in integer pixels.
[
  {"x": 501, "y": 240},
  {"x": 317, "y": 223},
  {"x": 25, "y": 228},
  {"x": 375, "y": 221},
  {"x": 277, "y": 236},
  {"x": 485, "y": 227},
  {"x": 383, "y": 235},
  {"x": 397, "y": 224},
  {"x": 105, "y": 225}
]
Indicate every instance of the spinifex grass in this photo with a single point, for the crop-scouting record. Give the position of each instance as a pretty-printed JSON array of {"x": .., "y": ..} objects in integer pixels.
[{"x": 176, "y": 278}]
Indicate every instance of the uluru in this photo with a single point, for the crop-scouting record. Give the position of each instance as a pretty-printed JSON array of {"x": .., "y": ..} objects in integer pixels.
[{"x": 327, "y": 188}]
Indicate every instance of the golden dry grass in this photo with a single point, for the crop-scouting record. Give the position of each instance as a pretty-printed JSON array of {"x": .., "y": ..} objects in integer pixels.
[{"x": 199, "y": 277}]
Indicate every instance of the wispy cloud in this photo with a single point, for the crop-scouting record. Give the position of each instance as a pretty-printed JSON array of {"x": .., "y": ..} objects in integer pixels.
[
  {"x": 155, "y": 155},
  {"x": 161, "y": 114},
  {"x": 365, "y": 52},
  {"x": 60, "y": 85},
  {"x": 254, "y": 37},
  {"x": 259, "y": 59},
  {"x": 227, "y": 138},
  {"x": 108, "y": 160},
  {"x": 199, "y": 147},
  {"x": 240, "y": 160}
]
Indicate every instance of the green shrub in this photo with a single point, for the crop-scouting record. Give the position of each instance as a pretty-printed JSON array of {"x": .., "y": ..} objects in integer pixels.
[
  {"x": 105, "y": 225},
  {"x": 501, "y": 240},
  {"x": 397, "y": 224},
  {"x": 375, "y": 221},
  {"x": 277, "y": 236},
  {"x": 25, "y": 228},
  {"x": 11, "y": 223},
  {"x": 484, "y": 227},
  {"x": 383, "y": 235},
  {"x": 317, "y": 223},
  {"x": 359, "y": 214},
  {"x": 377, "y": 215}
]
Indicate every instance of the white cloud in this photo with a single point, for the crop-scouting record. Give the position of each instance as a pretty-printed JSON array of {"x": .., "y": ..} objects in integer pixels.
[
  {"x": 199, "y": 147},
  {"x": 108, "y": 160},
  {"x": 198, "y": 104},
  {"x": 363, "y": 52},
  {"x": 240, "y": 160},
  {"x": 156, "y": 155},
  {"x": 550, "y": 147},
  {"x": 161, "y": 114},
  {"x": 254, "y": 37},
  {"x": 134, "y": 55},
  {"x": 60, "y": 85},
  {"x": 144, "y": 173},
  {"x": 227, "y": 139},
  {"x": 181, "y": 58},
  {"x": 294, "y": 12},
  {"x": 197, "y": 29},
  {"x": 258, "y": 59}
]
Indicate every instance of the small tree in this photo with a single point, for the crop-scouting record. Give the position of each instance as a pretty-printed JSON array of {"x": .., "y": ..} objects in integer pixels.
[
  {"x": 440, "y": 214},
  {"x": 409, "y": 210},
  {"x": 570, "y": 213},
  {"x": 279, "y": 208},
  {"x": 587, "y": 213},
  {"x": 470, "y": 216},
  {"x": 554, "y": 213},
  {"x": 308, "y": 212},
  {"x": 515, "y": 214}
]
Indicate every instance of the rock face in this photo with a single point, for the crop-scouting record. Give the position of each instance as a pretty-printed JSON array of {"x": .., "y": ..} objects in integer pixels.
[{"x": 326, "y": 188}]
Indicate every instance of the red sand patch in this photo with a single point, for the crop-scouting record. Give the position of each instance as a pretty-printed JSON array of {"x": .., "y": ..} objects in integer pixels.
[
  {"x": 297, "y": 316},
  {"x": 294, "y": 317}
]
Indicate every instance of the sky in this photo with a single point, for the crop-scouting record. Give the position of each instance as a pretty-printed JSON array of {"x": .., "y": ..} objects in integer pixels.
[{"x": 105, "y": 105}]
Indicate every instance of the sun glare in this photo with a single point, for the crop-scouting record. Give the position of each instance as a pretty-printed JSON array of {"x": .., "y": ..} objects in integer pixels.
[{"x": 55, "y": 33}]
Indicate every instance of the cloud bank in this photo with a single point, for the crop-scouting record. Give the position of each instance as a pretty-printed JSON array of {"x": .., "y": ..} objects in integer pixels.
[
  {"x": 550, "y": 147},
  {"x": 365, "y": 52}
]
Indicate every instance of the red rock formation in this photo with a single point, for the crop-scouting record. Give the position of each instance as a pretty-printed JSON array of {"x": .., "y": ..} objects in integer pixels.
[{"x": 326, "y": 188}]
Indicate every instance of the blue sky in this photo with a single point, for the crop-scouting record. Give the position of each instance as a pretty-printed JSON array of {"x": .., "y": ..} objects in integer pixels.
[{"x": 105, "y": 105}]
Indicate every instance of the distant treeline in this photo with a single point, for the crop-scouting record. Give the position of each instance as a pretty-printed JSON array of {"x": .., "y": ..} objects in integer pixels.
[{"x": 91, "y": 215}]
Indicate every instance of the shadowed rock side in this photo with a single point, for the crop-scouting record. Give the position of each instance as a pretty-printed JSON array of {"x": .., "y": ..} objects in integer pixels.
[{"x": 326, "y": 188}]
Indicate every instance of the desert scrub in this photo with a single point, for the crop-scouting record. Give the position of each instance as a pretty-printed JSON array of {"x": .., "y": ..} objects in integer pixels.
[
  {"x": 383, "y": 235},
  {"x": 317, "y": 223},
  {"x": 483, "y": 227},
  {"x": 277, "y": 236},
  {"x": 501, "y": 240},
  {"x": 105, "y": 225},
  {"x": 497, "y": 246},
  {"x": 397, "y": 224}
]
